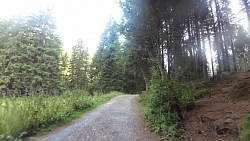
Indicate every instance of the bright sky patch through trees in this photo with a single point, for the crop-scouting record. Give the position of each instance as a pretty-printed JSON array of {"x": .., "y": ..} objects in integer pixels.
[{"x": 75, "y": 19}]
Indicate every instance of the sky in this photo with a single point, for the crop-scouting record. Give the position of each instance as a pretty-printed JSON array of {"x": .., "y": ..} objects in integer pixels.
[
  {"x": 75, "y": 19},
  {"x": 239, "y": 15}
]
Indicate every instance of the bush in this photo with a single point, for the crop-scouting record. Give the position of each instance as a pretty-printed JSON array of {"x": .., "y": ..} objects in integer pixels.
[
  {"x": 164, "y": 102},
  {"x": 245, "y": 135}
]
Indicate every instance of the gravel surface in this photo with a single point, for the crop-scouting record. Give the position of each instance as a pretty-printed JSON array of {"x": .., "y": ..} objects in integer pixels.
[{"x": 118, "y": 120}]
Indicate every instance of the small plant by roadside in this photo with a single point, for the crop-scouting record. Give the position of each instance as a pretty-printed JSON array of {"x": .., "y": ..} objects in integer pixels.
[
  {"x": 164, "y": 103},
  {"x": 245, "y": 135}
]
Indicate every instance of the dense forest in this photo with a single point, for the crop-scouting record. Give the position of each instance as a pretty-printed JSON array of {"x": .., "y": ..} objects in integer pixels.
[
  {"x": 200, "y": 38},
  {"x": 168, "y": 45}
]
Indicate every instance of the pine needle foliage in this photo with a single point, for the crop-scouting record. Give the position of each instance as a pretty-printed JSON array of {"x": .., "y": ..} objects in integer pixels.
[{"x": 29, "y": 55}]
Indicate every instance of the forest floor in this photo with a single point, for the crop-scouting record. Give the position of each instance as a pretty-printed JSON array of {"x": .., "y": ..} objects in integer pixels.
[{"x": 219, "y": 115}]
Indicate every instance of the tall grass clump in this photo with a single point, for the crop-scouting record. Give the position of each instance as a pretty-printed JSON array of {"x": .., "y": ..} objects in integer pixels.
[
  {"x": 164, "y": 101},
  {"x": 22, "y": 116}
]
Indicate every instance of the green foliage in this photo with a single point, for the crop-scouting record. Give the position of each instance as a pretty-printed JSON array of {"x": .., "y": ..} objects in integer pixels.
[
  {"x": 245, "y": 135},
  {"x": 29, "y": 55},
  {"x": 163, "y": 101},
  {"x": 79, "y": 66},
  {"x": 200, "y": 92},
  {"x": 106, "y": 76},
  {"x": 21, "y": 116},
  {"x": 241, "y": 41},
  {"x": 114, "y": 67},
  {"x": 242, "y": 49},
  {"x": 139, "y": 28},
  {"x": 130, "y": 74},
  {"x": 64, "y": 66}
]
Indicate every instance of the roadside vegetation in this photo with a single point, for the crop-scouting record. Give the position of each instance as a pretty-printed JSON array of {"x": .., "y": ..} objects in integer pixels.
[
  {"x": 166, "y": 101},
  {"x": 245, "y": 135},
  {"x": 24, "y": 116}
]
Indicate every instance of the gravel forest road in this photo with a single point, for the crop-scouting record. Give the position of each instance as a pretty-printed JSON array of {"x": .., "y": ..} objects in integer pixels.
[{"x": 118, "y": 120}]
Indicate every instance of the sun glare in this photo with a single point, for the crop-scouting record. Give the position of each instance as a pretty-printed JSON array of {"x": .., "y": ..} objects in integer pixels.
[{"x": 75, "y": 19}]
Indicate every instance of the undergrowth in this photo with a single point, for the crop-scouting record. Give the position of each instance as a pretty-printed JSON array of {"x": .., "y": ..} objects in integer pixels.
[
  {"x": 245, "y": 135},
  {"x": 22, "y": 116},
  {"x": 165, "y": 102}
]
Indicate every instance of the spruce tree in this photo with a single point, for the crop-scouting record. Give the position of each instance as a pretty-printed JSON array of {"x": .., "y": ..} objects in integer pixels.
[
  {"x": 242, "y": 49},
  {"x": 30, "y": 55},
  {"x": 105, "y": 73},
  {"x": 64, "y": 65},
  {"x": 79, "y": 66}
]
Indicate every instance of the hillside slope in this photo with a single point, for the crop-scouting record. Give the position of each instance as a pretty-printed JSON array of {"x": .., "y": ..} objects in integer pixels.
[{"x": 219, "y": 114}]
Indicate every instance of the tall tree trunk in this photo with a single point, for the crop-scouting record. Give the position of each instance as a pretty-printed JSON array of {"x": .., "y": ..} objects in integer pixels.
[
  {"x": 177, "y": 35},
  {"x": 226, "y": 47},
  {"x": 169, "y": 50},
  {"x": 177, "y": 46},
  {"x": 218, "y": 13},
  {"x": 216, "y": 40},
  {"x": 189, "y": 39},
  {"x": 204, "y": 57},
  {"x": 160, "y": 46},
  {"x": 162, "y": 49},
  {"x": 199, "y": 55},
  {"x": 144, "y": 67},
  {"x": 210, "y": 48},
  {"x": 157, "y": 36},
  {"x": 233, "y": 54}
]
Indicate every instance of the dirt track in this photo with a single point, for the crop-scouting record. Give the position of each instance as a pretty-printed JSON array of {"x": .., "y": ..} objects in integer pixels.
[{"x": 118, "y": 120}]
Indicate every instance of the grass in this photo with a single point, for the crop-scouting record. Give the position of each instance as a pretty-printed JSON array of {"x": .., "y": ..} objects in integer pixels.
[{"x": 25, "y": 116}]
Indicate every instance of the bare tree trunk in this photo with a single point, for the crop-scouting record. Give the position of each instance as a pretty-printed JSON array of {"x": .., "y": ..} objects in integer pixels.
[
  {"x": 200, "y": 63},
  {"x": 170, "y": 68},
  {"x": 177, "y": 35},
  {"x": 204, "y": 57},
  {"x": 190, "y": 39},
  {"x": 218, "y": 12},
  {"x": 216, "y": 40},
  {"x": 145, "y": 76},
  {"x": 233, "y": 54},
  {"x": 169, "y": 50},
  {"x": 210, "y": 48},
  {"x": 162, "y": 49},
  {"x": 226, "y": 48}
]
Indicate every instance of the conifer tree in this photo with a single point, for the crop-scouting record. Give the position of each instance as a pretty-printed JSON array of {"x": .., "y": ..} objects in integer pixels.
[
  {"x": 242, "y": 49},
  {"x": 79, "y": 66},
  {"x": 64, "y": 65},
  {"x": 30, "y": 55},
  {"x": 106, "y": 73}
]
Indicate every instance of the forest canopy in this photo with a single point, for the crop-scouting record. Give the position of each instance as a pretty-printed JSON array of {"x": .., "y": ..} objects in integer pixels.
[{"x": 201, "y": 38}]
